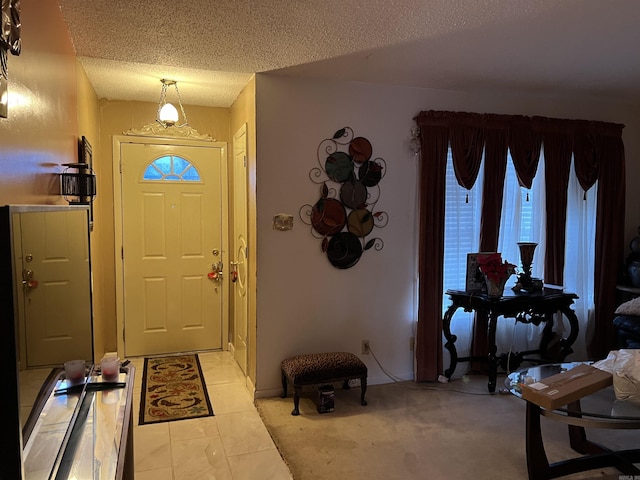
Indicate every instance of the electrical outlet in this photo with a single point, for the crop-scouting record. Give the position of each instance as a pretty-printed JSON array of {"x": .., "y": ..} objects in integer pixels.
[
  {"x": 412, "y": 343},
  {"x": 365, "y": 347}
]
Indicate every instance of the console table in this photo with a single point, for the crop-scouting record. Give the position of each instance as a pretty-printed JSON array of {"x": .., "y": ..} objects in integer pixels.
[{"x": 532, "y": 307}]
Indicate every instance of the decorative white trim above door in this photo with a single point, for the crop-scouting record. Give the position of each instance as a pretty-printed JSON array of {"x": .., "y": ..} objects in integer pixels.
[{"x": 157, "y": 130}]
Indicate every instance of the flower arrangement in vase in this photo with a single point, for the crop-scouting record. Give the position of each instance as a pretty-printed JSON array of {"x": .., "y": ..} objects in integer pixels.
[{"x": 496, "y": 272}]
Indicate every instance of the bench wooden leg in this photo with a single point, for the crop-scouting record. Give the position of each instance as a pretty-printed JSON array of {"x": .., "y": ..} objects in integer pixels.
[
  {"x": 363, "y": 390},
  {"x": 284, "y": 385},
  {"x": 297, "y": 390}
]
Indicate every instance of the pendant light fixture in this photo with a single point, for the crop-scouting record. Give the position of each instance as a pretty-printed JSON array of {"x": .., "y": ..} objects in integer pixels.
[{"x": 167, "y": 113}]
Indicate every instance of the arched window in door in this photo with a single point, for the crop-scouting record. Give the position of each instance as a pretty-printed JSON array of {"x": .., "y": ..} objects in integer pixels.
[{"x": 171, "y": 168}]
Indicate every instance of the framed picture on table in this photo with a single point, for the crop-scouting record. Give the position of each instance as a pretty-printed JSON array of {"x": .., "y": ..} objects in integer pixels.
[{"x": 475, "y": 279}]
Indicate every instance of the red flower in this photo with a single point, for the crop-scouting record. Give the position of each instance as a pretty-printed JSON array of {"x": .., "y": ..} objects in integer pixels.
[{"x": 494, "y": 268}]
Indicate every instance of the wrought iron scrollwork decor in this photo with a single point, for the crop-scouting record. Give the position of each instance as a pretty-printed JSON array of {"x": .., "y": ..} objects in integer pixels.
[
  {"x": 530, "y": 316},
  {"x": 345, "y": 215}
]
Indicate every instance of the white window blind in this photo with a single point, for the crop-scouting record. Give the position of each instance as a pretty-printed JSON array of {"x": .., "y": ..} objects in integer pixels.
[{"x": 462, "y": 227}]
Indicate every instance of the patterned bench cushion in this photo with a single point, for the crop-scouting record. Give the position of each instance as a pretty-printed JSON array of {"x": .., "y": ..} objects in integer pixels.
[{"x": 314, "y": 368}]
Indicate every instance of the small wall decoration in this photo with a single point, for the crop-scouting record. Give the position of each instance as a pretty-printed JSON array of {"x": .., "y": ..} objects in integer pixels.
[
  {"x": 283, "y": 222},
  {"x": 345, "y": 215}
]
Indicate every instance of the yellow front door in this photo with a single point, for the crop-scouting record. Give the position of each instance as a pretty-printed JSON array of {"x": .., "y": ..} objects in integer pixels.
[{"x": 172, "y": 244}]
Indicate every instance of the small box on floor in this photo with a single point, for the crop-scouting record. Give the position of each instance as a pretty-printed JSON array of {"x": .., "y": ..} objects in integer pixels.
[{"x": 326, "y": 395}]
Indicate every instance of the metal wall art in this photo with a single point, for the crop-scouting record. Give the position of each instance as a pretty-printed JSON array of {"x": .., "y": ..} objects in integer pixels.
[
  {"x": 345, "y": 214},
  {"x": 9, "y": 42}
]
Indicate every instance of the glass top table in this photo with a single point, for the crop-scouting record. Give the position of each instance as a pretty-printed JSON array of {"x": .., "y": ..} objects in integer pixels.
[
  {"x": 83, "y": 433},
  {"x": 599, "y": 406},
  {"x": 600, "y": 409}
]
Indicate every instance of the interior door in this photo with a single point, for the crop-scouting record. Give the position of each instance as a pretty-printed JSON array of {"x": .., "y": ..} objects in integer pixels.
[
  {"x": 55, "y": 281},
  {"x": 172, "y": 255},
  {"x": 240, "y": 249}
]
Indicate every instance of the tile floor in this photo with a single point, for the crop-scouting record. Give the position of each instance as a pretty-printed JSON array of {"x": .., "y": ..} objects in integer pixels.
[{"x": 234, "y": 444}]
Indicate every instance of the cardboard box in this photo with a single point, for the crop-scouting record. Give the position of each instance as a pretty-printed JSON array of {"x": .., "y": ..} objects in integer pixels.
[{"x": 566, "y": 387}]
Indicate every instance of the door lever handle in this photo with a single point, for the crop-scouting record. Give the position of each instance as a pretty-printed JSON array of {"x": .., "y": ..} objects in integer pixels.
[{"x": 234, "y": 271}]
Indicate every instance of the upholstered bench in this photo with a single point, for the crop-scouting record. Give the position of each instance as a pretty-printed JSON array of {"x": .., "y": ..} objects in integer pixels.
[{"x": 316, "y": 368}]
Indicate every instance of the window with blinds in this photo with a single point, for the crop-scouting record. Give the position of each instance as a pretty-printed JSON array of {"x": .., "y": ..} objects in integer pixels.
[
  {"x": 462, "y": 221},
  {"x": 462, "y": 227}
]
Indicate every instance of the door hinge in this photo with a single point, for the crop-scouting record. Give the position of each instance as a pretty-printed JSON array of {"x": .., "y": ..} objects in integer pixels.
[
  {"x": 245, "y": 161},
  {"x": 122, "y": 253}
]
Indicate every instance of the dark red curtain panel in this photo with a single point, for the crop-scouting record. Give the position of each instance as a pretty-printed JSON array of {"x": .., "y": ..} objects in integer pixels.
[
  {"x": 435, "y": 144},
  {"x": 557, "y": 163},
  {"x": 598, "y": 154},
  {"x": 466, "y": 134},
  {"x": 524, "y": 144},
  {"x": 585, "y": 153},
  {"x": 493, "y": 186},
  {"x": 609, "y": 236}
]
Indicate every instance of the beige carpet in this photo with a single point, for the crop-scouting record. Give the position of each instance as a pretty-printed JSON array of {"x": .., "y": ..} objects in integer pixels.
[{"x": 418, "y": 431}]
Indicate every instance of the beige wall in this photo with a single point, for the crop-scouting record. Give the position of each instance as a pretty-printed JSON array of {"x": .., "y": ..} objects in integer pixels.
[
  {"x": 243, "y": 111},
  {"x": 303, "y": 303},
  {"x": 117, "y": 117}
]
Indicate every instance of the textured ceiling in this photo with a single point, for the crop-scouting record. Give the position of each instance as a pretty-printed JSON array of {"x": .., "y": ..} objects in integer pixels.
[{"x": 212, "y": 48}]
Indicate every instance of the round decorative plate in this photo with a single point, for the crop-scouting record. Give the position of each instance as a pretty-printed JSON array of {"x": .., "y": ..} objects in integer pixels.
[
  {"x": 339, "y": 167},
  {"x": 353, "y": 194},
  {"x": 360, "y": 222},
  {"x": 370, "y": 174},
  {"x": 344, "y": 250},
  {"x": 360, "y": 149},
  {"x": 328, "y": 216}
]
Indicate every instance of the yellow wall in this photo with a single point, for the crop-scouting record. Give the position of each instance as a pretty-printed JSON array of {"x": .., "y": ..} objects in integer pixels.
[
  {"x": 88, "y": 127},
  {"x": 243, "y": 111},
  {"x": 42, "y": 129},
  {"x": 117, "y": 117},
  {"x": 51, "y": 105}
]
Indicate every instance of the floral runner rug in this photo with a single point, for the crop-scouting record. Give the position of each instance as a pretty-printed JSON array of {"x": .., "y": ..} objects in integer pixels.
[{"x": 173, "y": 388}]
